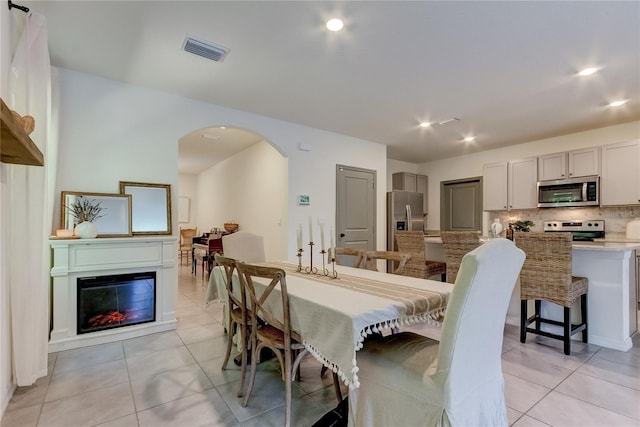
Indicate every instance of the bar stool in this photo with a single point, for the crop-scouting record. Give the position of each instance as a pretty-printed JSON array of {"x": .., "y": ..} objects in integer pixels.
[
  {"x": 457, "y": 244},
  {"x": 412, "y": 242},
  {"x": 546, "y": 275}
]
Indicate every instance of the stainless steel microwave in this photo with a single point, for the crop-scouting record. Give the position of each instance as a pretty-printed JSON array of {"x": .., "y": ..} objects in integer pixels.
[{"x": 573, "y": 192}]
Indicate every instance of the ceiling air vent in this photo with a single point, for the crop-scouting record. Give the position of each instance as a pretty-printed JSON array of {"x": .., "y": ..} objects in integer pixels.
[{"x": 205, "y": 49}]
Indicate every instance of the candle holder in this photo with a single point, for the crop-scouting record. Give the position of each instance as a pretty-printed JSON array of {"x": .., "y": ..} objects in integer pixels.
[
  {"x": 299, "y": 269},
  {"x": 311, "y": 269},
  {"x": 324, "y": 269},
  {"x": 334, "y": 273}
]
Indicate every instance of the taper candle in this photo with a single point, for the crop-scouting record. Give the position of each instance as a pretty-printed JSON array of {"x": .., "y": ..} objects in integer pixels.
[
  {"x": 310, "y": 230},
  {"x": 333, "y": 243},
  {"x": 299, "y": 236},
  {"x": 322, "y": 237}
]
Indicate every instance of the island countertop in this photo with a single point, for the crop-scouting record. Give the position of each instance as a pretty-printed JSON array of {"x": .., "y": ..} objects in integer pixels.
[{"x": 598, "y": 244}]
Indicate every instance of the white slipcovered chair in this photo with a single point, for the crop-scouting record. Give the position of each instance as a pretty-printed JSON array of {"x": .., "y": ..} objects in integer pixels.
[
  {"x": 244, "y": 246},
  {"x": 409, "y": 380}
]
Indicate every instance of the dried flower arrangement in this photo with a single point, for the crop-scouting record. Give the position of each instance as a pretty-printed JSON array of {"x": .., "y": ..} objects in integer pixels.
[
  {"x": 523, "y": 225},
  {"x": 85, "y": 210}
]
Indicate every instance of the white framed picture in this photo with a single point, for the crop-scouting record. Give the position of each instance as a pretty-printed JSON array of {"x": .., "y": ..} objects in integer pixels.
[{"x": 183, "y": 209}]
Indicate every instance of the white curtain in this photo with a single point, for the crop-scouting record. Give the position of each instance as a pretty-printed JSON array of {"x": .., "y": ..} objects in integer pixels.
[{"x": 30, "y": 193}]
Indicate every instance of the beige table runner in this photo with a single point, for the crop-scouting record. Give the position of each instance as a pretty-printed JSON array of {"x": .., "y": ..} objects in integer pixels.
[{"x": 334, "y": 316}]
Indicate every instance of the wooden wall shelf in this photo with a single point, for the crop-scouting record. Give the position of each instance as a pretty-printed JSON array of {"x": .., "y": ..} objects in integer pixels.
[{"x": 15, "y": 145}]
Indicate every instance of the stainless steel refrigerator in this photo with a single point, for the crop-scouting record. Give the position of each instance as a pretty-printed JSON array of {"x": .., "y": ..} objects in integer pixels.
[{"x": 404, "y": 212}]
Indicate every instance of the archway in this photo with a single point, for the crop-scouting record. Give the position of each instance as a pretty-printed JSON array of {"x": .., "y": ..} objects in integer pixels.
[{"x": 234, "y": 175}]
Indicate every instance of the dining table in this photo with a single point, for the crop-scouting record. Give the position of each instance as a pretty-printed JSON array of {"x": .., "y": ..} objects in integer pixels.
[{"x": 334, "y": 315}]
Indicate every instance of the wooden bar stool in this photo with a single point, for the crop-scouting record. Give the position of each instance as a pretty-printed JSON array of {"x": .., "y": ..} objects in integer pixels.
[{"x": 546, "y": 275}]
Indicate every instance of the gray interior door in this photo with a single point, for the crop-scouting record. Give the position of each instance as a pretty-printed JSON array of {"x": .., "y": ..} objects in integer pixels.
[
  {"x": 461, "y": 205},
  {"x": 355, "y": 207}
]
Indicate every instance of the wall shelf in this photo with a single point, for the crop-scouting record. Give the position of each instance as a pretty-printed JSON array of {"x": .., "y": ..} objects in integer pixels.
[{"x": 15, "y": 145}]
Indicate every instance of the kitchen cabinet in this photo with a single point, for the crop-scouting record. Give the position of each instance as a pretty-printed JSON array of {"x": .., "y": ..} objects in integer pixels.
[
  {"x": 408, "y": 181},
  {"x": 571, "y": 164},
  {"x": 510, "y": 185},
  {"x": 620, "y": 180}
]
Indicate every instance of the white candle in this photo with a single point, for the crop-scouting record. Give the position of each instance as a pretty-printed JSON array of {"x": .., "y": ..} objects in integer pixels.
[
  {"x": 333, "y": 243},
  {"x": 299, "y": 236},
  {"x": 310, "y": 230},
  {"x": 322, "y": 237}
]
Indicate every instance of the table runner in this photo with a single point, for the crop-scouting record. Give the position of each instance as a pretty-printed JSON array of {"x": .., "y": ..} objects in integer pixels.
[{"x": 334, "y": 316}]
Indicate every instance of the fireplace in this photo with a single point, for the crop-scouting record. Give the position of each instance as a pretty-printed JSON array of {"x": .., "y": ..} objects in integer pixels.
[
  {"x": 106, "y": 302},
  {"x": 127, "y": 285}
]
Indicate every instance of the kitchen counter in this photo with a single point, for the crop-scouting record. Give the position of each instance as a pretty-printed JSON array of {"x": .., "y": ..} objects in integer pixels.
[{"x": 610, "y": 266}]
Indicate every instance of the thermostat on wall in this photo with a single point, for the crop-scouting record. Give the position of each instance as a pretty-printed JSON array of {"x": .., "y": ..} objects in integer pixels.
[{"x": 303, "y": 199}]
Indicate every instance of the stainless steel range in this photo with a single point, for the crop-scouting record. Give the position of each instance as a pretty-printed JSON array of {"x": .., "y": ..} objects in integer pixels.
[{"x": 585, "y": 230}]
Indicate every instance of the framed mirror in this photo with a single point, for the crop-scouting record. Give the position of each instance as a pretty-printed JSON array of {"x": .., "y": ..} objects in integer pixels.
[
  {"x": 151, "y": 207},
  {"x": 115, "y": 219}
]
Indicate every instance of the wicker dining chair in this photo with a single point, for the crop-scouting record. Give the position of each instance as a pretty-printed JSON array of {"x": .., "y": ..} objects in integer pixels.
[
  {"x": 457, "y": 244},
  {"x": 400, "y": 257},
  {"x": 546, "y": 275},
  {"x": 186, "y": 242},
  {"x": 412, "y": 242},
  {"x": 357, "y": 255}
]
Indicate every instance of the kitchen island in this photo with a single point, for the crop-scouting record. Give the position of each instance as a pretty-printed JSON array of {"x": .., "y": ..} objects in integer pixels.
[{"x": 612, "y": 308}]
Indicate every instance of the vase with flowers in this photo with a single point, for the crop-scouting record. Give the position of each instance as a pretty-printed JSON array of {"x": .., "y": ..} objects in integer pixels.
[{"x": 85, "y": 212}]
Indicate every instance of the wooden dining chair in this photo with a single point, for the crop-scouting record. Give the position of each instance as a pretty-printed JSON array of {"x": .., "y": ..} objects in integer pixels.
[
  {"x": 407, "y": 379},
  {"x": 546, "y": 275},
  {"x": 398, "y": 257},
  {"x": 353, "y": 255},
  {"x": 186, "y": 242},
  {"x": 412, "y": 242},
  {"x": 238, "y": 314},
  {"x": 457, "y": 244},
  {"x": 275, "y": 333}
]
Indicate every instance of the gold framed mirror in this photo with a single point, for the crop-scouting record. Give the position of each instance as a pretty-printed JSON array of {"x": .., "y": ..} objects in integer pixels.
[
  {"x": 115, "y": 215},
  {"x": 150, "y": 207}
]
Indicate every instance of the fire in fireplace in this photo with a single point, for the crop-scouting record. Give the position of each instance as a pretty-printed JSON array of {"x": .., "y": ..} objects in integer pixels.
[{"x": 106, "y": 302}]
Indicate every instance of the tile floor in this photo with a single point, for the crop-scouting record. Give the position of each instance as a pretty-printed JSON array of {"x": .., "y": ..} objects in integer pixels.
[{"x": 174, "y": 379}]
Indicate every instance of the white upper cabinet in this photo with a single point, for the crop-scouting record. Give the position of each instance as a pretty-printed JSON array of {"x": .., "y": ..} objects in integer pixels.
[
  {"x": 552, "y": 166},
  {"x": 523, "y": 177},
  {"x": 585, "y": 162},
  {"x": 620, "y": 180},
  {"x": 572, "y": 164},
  {"x": 510, "y": 185},
  {"x": 494, "y": 186}
]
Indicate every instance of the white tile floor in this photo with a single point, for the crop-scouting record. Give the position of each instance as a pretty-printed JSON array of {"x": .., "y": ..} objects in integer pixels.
[{"x": 174, "y": 379}]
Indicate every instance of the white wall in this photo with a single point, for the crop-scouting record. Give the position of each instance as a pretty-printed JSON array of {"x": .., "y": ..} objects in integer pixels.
[
  {"x": 112, "y": 131},
  {"x": 470, "y": 165},
  {"x": 251, "y": 189}
]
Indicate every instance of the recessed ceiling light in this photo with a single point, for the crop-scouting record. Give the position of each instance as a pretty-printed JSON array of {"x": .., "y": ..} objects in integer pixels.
[
  {"x": 335, "y": 24},
  {"x": 618, "y": 103},
  {"x": 425, "y": 124},
  {"x": 469, "y": 139},
  {"x": 588, "y": 71}
]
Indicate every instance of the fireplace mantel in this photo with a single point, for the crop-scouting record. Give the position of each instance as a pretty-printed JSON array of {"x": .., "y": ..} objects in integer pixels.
[{"x": 74, "y": 258}]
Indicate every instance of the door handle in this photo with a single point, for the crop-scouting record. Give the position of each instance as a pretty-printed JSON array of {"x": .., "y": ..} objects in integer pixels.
[{"x": 342, "y": 235}]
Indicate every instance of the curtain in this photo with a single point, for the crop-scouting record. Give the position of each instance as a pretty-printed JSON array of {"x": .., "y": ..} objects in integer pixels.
[{"x": 30, "y": 193}]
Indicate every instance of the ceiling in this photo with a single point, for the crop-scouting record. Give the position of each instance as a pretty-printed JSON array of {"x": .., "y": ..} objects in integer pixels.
[{"x": 507, "y": 70}]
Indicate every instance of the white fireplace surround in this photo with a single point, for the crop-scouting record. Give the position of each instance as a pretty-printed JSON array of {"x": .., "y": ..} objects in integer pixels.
[{"x": 75, "y": 258}]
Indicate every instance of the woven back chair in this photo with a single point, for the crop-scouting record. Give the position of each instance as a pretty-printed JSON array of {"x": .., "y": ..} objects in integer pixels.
[
  {"x": 400, "y": 257},
  {"x": 546, "y": 275},
  {"x": 412, "y": 242},
  {"x": 343, "y": 255},
  {"x": 457, "y": 244},
  {"x": 186, "y": 242}
]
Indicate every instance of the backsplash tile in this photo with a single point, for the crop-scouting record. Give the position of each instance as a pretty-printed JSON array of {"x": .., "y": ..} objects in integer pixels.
[{"x": 615, "y": 218}]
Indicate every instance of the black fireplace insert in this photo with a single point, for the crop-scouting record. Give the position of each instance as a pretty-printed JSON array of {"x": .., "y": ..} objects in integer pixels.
[{"x": 106, "y": 302}]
